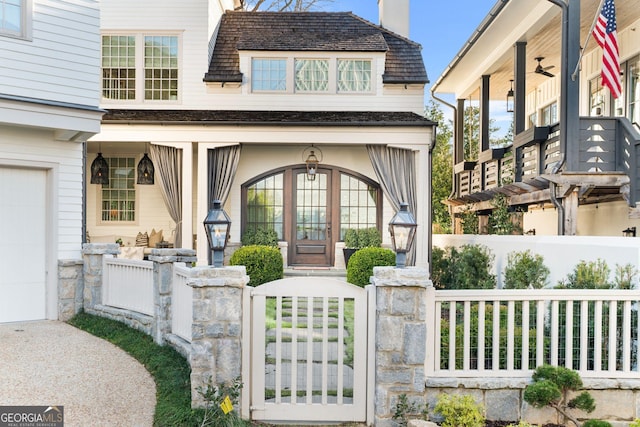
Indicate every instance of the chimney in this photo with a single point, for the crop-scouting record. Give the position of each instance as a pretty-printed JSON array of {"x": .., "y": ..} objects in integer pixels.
[{"x": 394, "y": 16}]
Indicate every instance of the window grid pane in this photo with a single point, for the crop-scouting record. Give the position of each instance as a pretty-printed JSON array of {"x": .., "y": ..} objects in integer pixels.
[
  {"x": 357, "y": 204},
  {"x": 118, "y": 67},
  {"x": 312, "y": 75},
  {"x": 11, "y": 12},
  {"x": 311, "y": 209},
  {"x": 119, "y": 196},
  {"x": 161, "y": 68},
  {"x": 354, "y": 75},
  {"x": 268, "y": 74},
  {"x": 265, "y": 205}
]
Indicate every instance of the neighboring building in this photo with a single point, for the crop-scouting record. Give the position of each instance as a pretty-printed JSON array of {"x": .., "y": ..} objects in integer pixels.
[
  {"x": 49, "y": 105},
  {"x": 230, "y": 104},
  {"x": 518, "y": 47}
]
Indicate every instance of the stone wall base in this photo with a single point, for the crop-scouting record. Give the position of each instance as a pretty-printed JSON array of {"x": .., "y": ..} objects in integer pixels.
[
  {"x": 617, "y": 401},
  {"x": 136, "y": 320}
]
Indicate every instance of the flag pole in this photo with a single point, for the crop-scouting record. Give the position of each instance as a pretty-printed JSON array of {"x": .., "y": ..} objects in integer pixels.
[{"x": 586, "y": 42}]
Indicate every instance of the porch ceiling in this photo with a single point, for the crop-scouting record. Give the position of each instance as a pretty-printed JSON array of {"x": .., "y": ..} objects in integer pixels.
[{"x": 543, "y": 38}]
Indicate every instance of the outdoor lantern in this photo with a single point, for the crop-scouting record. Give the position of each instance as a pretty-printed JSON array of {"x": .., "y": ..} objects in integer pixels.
[
  {"x": 402, "y": 228},
  {"x": 145, "y": 171},
  {"x": 312, "y": 166},
  {"x": 99, "y": 170},
  {"x": 629, "y": 232},
  {"x": 510, "y": 99},
  {"x": 216, "y": 225}
]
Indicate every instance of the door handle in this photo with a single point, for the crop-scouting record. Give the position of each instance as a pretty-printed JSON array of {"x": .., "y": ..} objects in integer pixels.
[{"x": 329, "y": 230}]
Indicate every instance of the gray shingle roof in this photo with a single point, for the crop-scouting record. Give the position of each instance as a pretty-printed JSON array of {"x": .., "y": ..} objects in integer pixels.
[
  {"x": 272, "y": 118},
  {"x": 311, "y": 31}
]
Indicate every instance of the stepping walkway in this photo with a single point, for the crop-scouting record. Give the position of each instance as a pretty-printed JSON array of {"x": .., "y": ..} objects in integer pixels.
[{"x": 49, "y": 363}]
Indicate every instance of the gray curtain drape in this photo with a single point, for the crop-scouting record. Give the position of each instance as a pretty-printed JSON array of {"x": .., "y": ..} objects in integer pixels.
[
  {"x": 223, "y": 164},
  {"x": 168, "y": 164},
  {"x": 395, "y": 170}
]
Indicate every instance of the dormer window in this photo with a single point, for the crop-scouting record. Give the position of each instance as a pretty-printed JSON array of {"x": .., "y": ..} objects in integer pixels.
[
  {"x": 354, "y": 75},
  {"x": 268, "y": 74}
]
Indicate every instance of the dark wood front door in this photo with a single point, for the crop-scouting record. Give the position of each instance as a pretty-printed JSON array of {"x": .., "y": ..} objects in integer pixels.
[{"x": 312, "y": 219}]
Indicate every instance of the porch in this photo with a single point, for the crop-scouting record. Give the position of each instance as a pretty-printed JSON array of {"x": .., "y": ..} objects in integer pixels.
[{"x": 607, "y": 168}]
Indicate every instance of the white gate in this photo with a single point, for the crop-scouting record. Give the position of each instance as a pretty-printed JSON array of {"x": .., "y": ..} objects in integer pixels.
[{"x": 309, "y": 354}]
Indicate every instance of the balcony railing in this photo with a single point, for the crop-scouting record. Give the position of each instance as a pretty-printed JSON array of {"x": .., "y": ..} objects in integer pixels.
[{"x": 607, "y": 144}]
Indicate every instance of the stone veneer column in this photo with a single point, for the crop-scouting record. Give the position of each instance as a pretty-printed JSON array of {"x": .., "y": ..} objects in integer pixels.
[
  {"x": 216, "y": 334},
  {"x": 401, "y": 334},
  {"x": 92, "y": 254},
  {"x": 163, "y": 263},
  {"x": 70, "y": 288}
]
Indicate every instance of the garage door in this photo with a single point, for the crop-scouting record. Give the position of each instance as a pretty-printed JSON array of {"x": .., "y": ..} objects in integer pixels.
[{"x": 22, "y": 244}]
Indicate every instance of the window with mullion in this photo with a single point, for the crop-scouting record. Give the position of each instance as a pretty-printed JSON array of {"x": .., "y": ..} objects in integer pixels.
[
  {"x": 119, "y": 196},
  {"x": 119, "y": 67},
  {"x": 358, "y": 204},
  {"x": 268, "y": 74},
  {"x": 312, "y": 75},
  {"x": 161, "y": 68},
  {"x": 354, "y": 75},
  {"x": 12, "y": 17}
]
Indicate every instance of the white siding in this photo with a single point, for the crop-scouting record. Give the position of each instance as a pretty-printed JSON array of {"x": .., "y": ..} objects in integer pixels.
[
  {"x": 37, "y": 148},
  {"x": 62, "y": 61}
]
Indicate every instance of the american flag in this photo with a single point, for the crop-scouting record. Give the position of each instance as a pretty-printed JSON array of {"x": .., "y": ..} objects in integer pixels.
[{"x": 605, "y": 33}]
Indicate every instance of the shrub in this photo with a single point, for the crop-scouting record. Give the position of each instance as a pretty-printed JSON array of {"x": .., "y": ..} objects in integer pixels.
[
  {"x": 260, "y": 236},
  {"x": 357, "y": 238},
  {"x": 588, "y": 275},
  {"x": 459, "y": 411},
  {"x": 501, "y": 220},
  {"x": 469, "y": 221},
  {"x": 264, "y": 263},
  {"x": 440, "y": 267},
  {"x": 361, "y": 264},
  {"x": 466, "y": 267},
  {"x": 551, "y": 387},
  {"x": 525, "y": 270},
  {"x": 596, "y": 423},
  {"x": 214, "y": 396}
]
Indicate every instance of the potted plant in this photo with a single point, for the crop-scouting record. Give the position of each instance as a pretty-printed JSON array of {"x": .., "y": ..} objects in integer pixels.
[{"x": 358, "y": 238}]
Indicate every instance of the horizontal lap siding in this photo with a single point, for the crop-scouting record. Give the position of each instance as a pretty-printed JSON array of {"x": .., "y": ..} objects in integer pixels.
[{"x": 62, "y": 61}]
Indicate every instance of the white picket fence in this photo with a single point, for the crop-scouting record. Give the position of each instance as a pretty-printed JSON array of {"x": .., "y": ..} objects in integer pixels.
[
  {"x": 508, "y": 333},
  {"x": 128, "y": 284},
  {"x": 181, "y": 303}
]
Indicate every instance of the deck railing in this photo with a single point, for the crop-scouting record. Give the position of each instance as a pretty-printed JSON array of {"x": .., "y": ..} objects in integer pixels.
[
  {"x": 128, "y": 284},
  {"x": 508, "y": 333},
  {"x": 181, "y": 303}
]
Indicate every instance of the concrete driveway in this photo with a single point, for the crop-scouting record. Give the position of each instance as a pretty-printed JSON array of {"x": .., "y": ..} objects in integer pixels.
[{"x": 49, "y": 363}]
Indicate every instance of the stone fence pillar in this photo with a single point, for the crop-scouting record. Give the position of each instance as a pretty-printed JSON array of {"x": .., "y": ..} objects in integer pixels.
[
  {"x": 401, "y": 334},
  {"x": 92, "y": 254},
  {"x": 163, "y": 266},
  {"x": 216, "y": 334},
  {"x": 70, "y": 288}
]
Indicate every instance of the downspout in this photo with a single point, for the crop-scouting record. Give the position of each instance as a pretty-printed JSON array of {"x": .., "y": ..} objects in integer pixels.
[
  {"x": 432, "y": 146},
  {"x": 564, "y": 69}
]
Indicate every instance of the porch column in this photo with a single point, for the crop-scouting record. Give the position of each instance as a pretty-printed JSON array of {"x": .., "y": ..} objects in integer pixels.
[
  {"x": 423, "y": 214},
  {"x": 484, "y": 113},
  {"x": 458, "y": 145},
  {"x": 400, "y": 338},
  {"x": 217, "y": 353},
  {"x": 571, "y": 92},
  {"x": 520, "y": 72},
  {"x": 570, "y": 205}
]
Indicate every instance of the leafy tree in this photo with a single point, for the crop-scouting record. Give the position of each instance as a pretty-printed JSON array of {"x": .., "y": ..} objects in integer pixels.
[
  {"x": 525, "y": 270},
  {"x": 471, "y": 142},
  {"x": 284, "y": 5},
  {"x": 501, "y": 218},
  {"x": 441, "y": 175},
  {"x": 469, "y": 221},
  {"x": 552, "y": 386}
]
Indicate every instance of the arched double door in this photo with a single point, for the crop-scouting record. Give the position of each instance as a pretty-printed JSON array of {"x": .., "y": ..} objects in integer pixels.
[{"x": 311, "y": 215}]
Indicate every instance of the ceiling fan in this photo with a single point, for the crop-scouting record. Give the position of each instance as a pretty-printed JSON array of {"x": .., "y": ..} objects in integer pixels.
[{"x": 543, "y": 70}]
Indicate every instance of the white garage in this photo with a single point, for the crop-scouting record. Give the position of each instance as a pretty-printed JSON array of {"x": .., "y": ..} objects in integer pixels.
[{"x": 23, "y": 257}]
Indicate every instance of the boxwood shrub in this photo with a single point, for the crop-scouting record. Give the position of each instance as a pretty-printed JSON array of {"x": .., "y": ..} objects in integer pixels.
[
  {"x": 263, "y": 263},
  {"x": 361, "y": 264}
]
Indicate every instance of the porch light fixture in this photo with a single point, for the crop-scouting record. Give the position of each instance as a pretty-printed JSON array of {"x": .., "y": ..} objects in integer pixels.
[
  {"x": 99, "y": 170},
  {"x": 629, "y": 232},
  {"x": 402, "y": 228},
  {"x": 146, "y": 171},
  {"x": 510, "y": 99},
  {"x": 312, "y": 162},
  {"x": 216, "y": 225}
]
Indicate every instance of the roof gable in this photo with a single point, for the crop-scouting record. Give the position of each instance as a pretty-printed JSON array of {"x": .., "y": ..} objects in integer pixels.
[{"x": 311, "y": 31}]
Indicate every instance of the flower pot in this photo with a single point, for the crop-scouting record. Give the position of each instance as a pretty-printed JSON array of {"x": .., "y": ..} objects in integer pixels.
[{"x": 347, "y": 254}]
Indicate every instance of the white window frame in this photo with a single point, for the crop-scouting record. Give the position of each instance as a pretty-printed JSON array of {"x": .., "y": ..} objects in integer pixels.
[
  {"x": 312, "y": 60},
  {"x": 287, "y": 75},
  {"x": 140, "y": 79},
  {"x": 26, "y": 21},
  {"x": 372, "y": 75}
]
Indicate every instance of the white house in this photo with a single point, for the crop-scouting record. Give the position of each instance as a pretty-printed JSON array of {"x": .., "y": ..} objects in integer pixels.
[
  {"x": 230, "y": 104},
  {"x": 574, "y": 167},
  {"x": 49, "y": 105}
]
